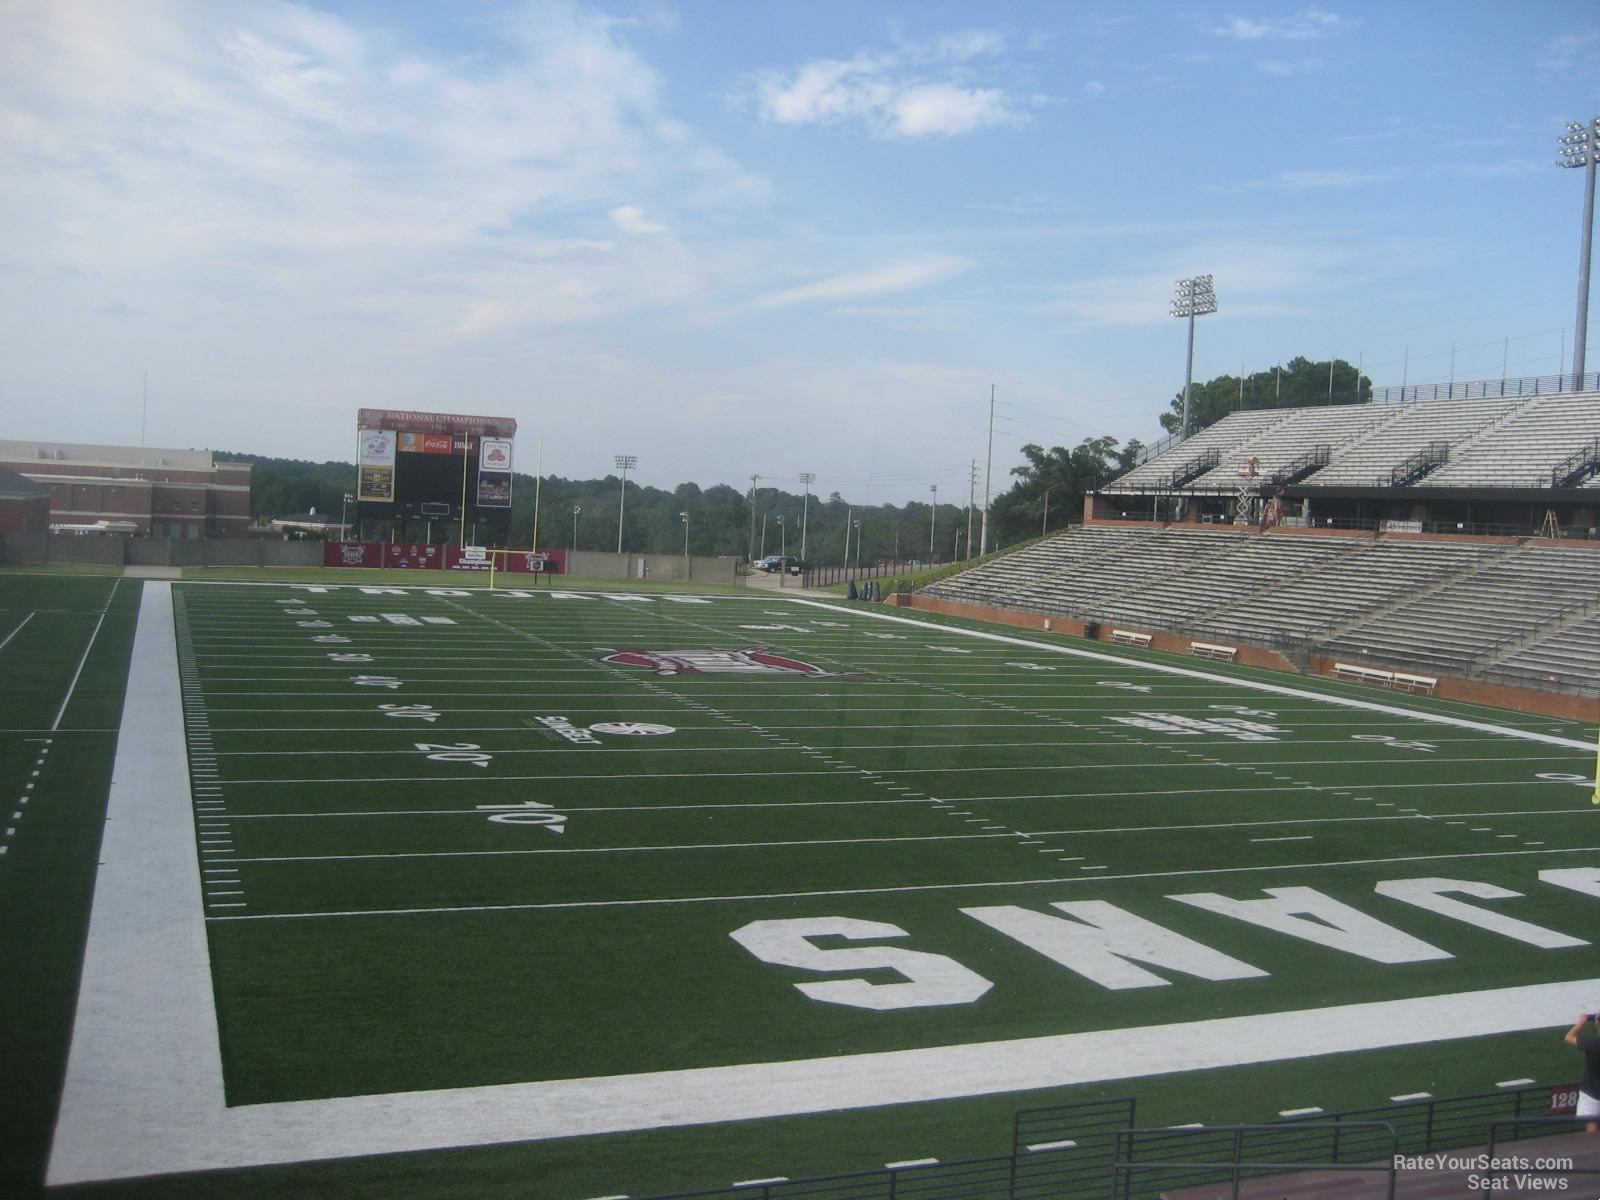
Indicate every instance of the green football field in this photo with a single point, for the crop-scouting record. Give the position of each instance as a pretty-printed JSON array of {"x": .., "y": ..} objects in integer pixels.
[{"x": 445, "y": 891}]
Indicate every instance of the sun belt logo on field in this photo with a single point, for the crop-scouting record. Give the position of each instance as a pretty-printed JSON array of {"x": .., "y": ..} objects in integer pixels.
[
  {"x": 751, "y": 661},
  {"x": 585, "y": 736}
]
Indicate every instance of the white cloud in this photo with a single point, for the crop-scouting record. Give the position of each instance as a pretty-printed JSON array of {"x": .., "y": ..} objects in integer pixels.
[
  {"x": 1572, "y": 51},
  {"x": 1259, "y": 277},
  {"x": 1335, "y": 179},
  {"x": 630, "y": 218},
  {"x": 896, "y": 277},
  {"x": 1307, "y": 25},
  {"x": 1291, "y": 68},
  {"x": 1312, "y": 23},
  {"x": 892, "y": 94},
  {"x": 329, "y": 164}
]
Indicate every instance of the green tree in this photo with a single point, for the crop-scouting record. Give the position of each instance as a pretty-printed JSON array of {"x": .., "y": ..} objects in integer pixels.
[
  {"x": 1052, "y": 483},
  {"x": 1299, "y": 383}
]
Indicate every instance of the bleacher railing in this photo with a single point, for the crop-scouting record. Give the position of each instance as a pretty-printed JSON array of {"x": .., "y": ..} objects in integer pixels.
[
  {"x": 1165, "y": 1160},
  {"x": 1091, "y": 1151},
  {"x": 1466, "y": 389}
]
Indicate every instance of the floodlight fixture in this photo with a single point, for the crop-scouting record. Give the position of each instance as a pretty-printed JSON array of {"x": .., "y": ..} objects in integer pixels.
[
  {"x": 1194, "y": 298},
  {"x": 624, "y": 462},
  {"x": 1580, "y": 146}
]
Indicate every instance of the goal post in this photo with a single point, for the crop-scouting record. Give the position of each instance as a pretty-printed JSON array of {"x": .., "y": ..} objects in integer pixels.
[{"x": 499, "y": 564}]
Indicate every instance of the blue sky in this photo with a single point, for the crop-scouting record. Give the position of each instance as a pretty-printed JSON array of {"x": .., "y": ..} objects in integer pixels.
[{"x": 765, "y": 238}]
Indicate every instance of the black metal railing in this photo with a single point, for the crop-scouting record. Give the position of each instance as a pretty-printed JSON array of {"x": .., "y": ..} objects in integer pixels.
[
  {"x": 1091, "y": 1151},
  {"x": 1164, "y": 1160},
  {"x": 1415, "y": 466},
  {"x": 1578, "y": 466},
  {"x": 1517, "y": 1126},
  {"x": 1297, "y": 469},
  {"x": 1192, "y": 469}
]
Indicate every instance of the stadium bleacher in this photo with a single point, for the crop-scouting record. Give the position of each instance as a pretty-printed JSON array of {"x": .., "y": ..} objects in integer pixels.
[{"x": 1521, "y": 608}]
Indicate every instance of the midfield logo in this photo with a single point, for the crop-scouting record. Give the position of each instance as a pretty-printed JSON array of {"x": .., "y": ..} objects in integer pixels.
[{"x": 751, "y": 661}]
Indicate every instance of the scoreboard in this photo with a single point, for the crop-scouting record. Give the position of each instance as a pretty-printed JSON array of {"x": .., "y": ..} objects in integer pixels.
[{"x": 422, "y": 465}]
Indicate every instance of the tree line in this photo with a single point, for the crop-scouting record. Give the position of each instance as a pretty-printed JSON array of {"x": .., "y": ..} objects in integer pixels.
[
  {"x": 726, "y": 521},
  {"x": 1046, "y": 493}
]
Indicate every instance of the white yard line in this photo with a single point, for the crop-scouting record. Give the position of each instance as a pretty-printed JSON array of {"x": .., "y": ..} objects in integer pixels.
[
  {"x": 1276, "y": 689},
  {"x": 144, "y": 1096},
  {"x": 73, "y": 686},
  {"x": 16, "y": 631}
]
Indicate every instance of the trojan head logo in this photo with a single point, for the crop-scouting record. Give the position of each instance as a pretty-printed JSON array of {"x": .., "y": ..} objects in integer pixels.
[{"x": 751, "y": 661}]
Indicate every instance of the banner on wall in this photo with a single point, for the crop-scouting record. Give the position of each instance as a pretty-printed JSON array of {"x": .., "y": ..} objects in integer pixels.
[{"x": 442, "y": 558}]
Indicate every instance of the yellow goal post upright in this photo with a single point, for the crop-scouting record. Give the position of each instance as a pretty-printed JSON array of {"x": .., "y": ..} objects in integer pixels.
[{"x": 499, "y": 558}]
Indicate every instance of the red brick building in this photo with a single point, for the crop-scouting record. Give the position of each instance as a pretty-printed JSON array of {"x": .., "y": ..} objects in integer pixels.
[
  {"x": 24, "y": 504},
  {"x": 183, "y": 494}
]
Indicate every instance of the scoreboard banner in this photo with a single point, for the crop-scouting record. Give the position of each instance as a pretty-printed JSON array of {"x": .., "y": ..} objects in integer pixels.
[
  {"x": 425, "y": 443},
  {"x": 494, "y": 473},
  {"x": 375, "y": 450}
]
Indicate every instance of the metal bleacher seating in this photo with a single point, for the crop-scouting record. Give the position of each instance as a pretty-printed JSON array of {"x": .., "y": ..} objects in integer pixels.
[
  {"x": 1567, "y": 658},
  {"x": 1408, "y": 428},
  {"x": 1314, "y": 603},
  {"x": 1512, "y": 596},
  {"x": 1524, "y": 612},
  {"x": 1226, "y": 437},
  {"x": 1277, "y": 445},
  {"x": 1522, "y": 448}
]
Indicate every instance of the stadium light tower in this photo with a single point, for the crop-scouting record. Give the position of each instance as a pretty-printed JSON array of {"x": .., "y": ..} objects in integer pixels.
[
  {"x": 624, "y": 461},
  {"x": 1579, "y": 148},
  {"x": 1194, "y": 298},
  {"x": 807, "y": 478},
  {"x": 576, "y": 509},
  {"x": 933, "y": 517}
]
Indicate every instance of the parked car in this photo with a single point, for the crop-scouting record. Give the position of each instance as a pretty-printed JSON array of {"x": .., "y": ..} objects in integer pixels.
[{"x": 781, "y": 563}]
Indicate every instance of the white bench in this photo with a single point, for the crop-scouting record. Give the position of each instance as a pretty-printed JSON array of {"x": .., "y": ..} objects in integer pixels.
[
  {"x": 1128, "y": 638},
  {"x": 1212, "y": 650},
  {"x": 1363, "y": 674},
  {"x": 1414, "y": 683}
]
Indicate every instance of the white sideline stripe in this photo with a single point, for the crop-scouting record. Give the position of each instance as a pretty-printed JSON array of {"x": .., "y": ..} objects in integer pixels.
[
  {"x": 143, "y": 1093},
  {"x": 1276, "y": 689}
]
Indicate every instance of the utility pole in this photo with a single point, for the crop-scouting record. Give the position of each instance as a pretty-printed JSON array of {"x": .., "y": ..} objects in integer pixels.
[
  {"x": 754, "y": 480},
  {"x": 972, "y": 500},
  {"x": 807, "y": 478},
  {"x": 988, "y": 471}
]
